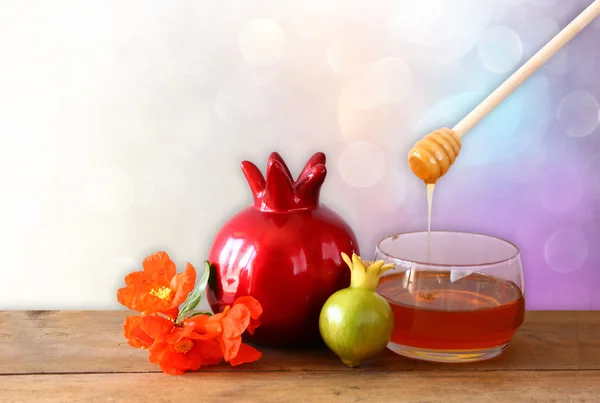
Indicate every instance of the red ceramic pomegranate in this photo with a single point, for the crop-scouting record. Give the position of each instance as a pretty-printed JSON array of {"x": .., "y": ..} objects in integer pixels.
[{"x": 284, "y": 251}]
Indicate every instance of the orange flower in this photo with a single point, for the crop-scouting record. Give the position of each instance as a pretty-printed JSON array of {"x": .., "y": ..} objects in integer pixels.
[
  {"x": 179, "y": 342},
  {"x": 135, "y": 335},
  {"x": 178, "y": 349},
  {"x": 196, "y": 341},
  {"x": 229, "y": 326},
  {"x": 255, "y": 311},
  {"x": 157, "y": 289}
]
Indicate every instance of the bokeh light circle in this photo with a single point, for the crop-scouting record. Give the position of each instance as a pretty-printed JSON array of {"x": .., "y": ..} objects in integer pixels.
[
  {"x": 110, "y": 192},
  {"x": 362, "y": 164},
  {"x": 578, "y": 113},
  {"x": 261, "y": 42},
  {"x": 442, "y": 31},
  {"x": 566, "y": 250},
  {"x": 500, "y": 49},
  {"x": 389, "y": 80}
]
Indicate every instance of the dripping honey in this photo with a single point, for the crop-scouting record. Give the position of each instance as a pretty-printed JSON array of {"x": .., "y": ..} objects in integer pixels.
[
  {"x": 475, "y": 312},
  {"x": 430, "y": 188}
]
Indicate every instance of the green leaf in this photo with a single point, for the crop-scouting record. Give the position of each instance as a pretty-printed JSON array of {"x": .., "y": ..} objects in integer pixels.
[
  {"x": 200, "y": 313},
  {"x": 195, "y": 296}
]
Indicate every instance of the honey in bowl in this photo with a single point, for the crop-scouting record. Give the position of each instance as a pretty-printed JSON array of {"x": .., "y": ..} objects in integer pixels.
[
  {"x": 477, "y": 312},
  {"x": 462, "y": 304}
]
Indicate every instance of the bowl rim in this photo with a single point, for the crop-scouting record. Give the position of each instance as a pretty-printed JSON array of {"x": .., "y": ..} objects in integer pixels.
[{"x": 516, "y": 255}]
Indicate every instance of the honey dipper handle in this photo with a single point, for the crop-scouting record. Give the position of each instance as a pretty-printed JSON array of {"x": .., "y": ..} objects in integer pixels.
[{"x": 536, "y": 61}]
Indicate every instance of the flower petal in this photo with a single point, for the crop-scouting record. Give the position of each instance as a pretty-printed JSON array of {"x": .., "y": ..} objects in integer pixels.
[
  {"x": 135, "y": 335},
  {"x": 134, "y": 297},
  {"x": 137, "y": 278},
  {"x": 255, "y": 311},
  {"x": 198, "y": 336},
  {"x": 173, "y": 363},
  {"x": 246, "y": 353},
  {"x": 198, "y": 321},
  {"x": 208, "y": 350},
  {"x": 179, "y": 332},
  {"x": 137, "y": 297},
  {"x": 183, "y": 284},
  {"x": 160, "y": 268},
  {"x": 204, "y": 324},
  {"x": 230, "y": 347},
  {"x": 171, "y": 313},
  {"x": 236, "y": 321},
  {"x": 252, "y": 304},
  {"x": 174, "y": 359},
  {"x": 254, "y": 323},
  {"x": 156, "y": 327},
  {"x": 157, "y": 352},
  {"x": 170, "y": 370},
  {"x": 148, "y": 303},
  {"x": 126, "y": 296}
]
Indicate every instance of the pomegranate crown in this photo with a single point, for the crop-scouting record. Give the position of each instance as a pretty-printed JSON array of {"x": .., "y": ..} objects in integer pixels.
[{"x": 279, "y": 192}]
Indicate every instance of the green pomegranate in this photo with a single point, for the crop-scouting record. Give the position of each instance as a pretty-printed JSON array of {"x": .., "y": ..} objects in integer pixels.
[{"x": 356, "y": 323}]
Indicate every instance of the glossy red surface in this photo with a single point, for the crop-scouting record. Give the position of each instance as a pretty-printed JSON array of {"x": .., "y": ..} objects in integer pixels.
[{"x": 284, "y": 251}]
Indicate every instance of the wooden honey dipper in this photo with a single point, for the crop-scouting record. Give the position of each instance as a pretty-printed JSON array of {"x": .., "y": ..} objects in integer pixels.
[{"x": 432, "y": 156}]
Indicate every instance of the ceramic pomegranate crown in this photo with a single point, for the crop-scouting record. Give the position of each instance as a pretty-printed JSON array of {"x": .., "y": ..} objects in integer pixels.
[{"x": 278, "y": 191}]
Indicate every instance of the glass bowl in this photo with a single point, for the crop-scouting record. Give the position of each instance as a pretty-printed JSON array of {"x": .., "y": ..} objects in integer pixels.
[{"x": 456, "y": 296}]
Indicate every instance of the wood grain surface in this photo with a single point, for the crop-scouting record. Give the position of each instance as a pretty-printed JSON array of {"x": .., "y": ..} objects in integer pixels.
[
  {"x": 81, "y": 356},
  {"x": 310, "y": 386}
]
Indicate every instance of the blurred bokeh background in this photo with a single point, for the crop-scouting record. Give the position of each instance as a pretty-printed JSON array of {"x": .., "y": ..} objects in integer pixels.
[{"x": 123, "y": 123}]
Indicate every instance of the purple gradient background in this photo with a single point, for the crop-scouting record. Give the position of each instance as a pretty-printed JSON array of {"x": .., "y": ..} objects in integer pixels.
[{"x": 545, "y": 194}]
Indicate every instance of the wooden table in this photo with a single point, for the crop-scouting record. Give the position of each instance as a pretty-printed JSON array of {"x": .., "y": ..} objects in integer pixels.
[{"x": 81, "y": 356}]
